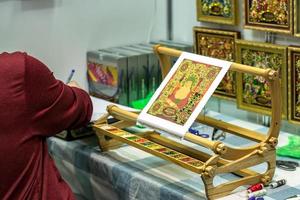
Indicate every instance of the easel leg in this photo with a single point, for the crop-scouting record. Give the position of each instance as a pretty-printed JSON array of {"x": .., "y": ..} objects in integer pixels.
[
  {"x": 214, "y": 192},
  {"x": 106, "y": 143}
]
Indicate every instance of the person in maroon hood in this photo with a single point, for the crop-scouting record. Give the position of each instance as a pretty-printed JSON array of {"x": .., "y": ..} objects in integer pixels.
[{"x": 33, "y": 106}]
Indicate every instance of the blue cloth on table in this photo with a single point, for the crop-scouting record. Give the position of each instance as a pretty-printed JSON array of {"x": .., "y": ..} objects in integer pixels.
[{"x": 129, "y": 173}]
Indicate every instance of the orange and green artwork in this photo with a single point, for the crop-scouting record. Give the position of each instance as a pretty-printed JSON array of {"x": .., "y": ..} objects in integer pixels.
[
  {"x": 256, "y": 89},
  {"x": 274, "y": 12},
  {"x": 103, "y": 74},
  {"x": 221, "y": 45},
  {"x": 185, "y": 89}
]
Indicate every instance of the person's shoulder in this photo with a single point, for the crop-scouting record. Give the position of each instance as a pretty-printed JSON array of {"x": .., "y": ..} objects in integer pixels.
[
  {"x": 13, "y": 62},
  {"x": 13, "y": 59},
  {"x": 16, "y": 54}
]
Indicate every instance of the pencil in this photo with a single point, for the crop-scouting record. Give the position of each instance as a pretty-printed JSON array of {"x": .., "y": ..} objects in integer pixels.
[{"x": 70, "y": 76}]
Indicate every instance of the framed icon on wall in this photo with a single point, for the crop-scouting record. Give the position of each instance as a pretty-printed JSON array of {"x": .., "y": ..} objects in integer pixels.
[
  {"x": 269, "y": 15},
  {"x": 217, "y": 11},
  {"x": 253, "y": 92},
  {"x": 294, "y": 84},
  {"x": 218, "y": 44}
]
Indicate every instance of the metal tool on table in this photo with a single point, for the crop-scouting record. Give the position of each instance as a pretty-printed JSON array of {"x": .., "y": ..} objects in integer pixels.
[
  {"x": 218, "y": 135},
  {"x": 294, "y": 197},
  {"x": 287, "y": 165}
]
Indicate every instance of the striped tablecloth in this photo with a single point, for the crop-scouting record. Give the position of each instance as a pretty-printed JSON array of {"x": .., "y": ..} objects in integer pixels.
[{"x": 129, "y": 173}]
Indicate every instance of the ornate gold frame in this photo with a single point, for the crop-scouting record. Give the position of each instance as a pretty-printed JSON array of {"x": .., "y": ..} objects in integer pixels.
[
  {"x": 269, "y": 27},
  {"x": 217, "y": 19},
  {"x": 297, "y": 18},
  {"x": 291, "y": 84},
  {"x": 272, "y": 48},
  {"x": 220, "y": 34}
]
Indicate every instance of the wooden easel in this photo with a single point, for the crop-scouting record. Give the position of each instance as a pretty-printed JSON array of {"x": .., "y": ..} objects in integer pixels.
[{"x": 225, "y": 159}]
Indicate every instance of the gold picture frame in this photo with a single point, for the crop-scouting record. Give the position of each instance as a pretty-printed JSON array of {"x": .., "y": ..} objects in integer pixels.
[
  {"x": 297, "y": 18},
  {"x": 217, "y": 11},
  {"x": 252, "y": 91},
  {"x": 294, "y": 84},
  {"x": 270, "y": 16},
  {"x": 218, "y": 44}
]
